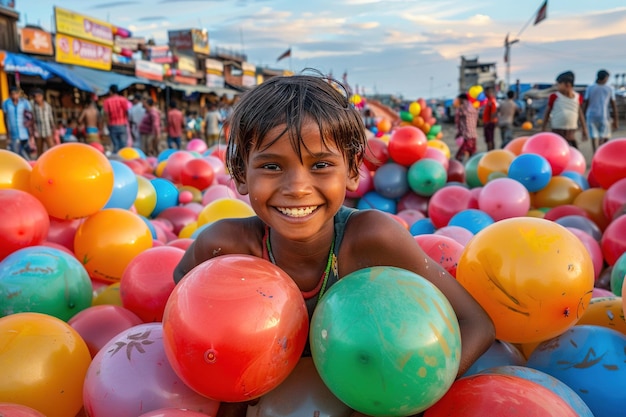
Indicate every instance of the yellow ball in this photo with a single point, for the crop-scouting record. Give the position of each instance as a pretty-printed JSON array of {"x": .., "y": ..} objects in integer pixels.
[
  {"x": 415, "y": 109},
  {"x": 145, "y": 202},
  {"x": 224, "y": 208},
  {"x": 188, "y": 230},
  {"x": 497, "y": 160},
  {"x": 128, "y": 153},
  {"x": 160, "y": 168},
  {"x": 44, "y": 362},
  {"x": 110, "y": 295},
  {"x": 14, "y": 171},
  {"x": 605, "y": 312},
  {"x": 441, "y": 145},
  {"x": 532, "y": 276}
]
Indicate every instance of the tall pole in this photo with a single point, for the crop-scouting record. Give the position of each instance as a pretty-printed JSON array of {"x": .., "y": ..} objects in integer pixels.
[{"x": 507, "y": 56}]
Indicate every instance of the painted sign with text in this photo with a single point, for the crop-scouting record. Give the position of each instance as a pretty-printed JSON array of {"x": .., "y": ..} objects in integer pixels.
[
  {"x": 74, "y": 51},
  {"x": 83, "y": 27}
]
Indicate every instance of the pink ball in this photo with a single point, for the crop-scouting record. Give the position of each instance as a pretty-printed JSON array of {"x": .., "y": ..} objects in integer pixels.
[
  {"x": 475, "y": 193},
  {"x": 413, "y": 201},
  {"x": 613, "y": 200},
  {"x": 216, "y": 163},
  {"x": 504, "y": 198},
  {"x": 175, "y": 412},
  {"x": 608, "y": 164},
  {"x": 446, "y": 202},
  {"x": 410, "y": 216},
  {"x": 593, "y": 247},
  {"x": 600, "y": 292},
  {"x": 197, "y": 145},
  {"x": 613, "y": 240},
  {"x": 185, "y": 197},
  {"x": 442, "y": 249},
  {"x": 437, "y": 155},
  {"x": 366, "y": 183},
  {"x": 217, "y": 191},
  {"x": 458, "y": 233},
  {"x": 175, "y": 164},
  {"x": 576, "y": 161},
  {"x": 551, "y": 146},
  {"x": 182, "y": 243}
]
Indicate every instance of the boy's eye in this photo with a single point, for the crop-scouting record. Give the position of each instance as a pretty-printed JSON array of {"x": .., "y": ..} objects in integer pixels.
[
  {"x": 321, "y": 165},
  {"x": 271, "y": 167}
]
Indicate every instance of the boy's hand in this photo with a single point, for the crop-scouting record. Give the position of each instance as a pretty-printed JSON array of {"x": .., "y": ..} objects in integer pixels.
[
  {"x": 585, "y": 135},
  {"x": 615, "y": 124}
]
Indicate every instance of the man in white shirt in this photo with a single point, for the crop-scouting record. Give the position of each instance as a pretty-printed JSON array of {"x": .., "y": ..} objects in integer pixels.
[
  {"x": 506, "y": 114},
  {"x": 596, "y": 109},
  {"x": 212, "y": 121},
  {"x": 135, "y": 115}
]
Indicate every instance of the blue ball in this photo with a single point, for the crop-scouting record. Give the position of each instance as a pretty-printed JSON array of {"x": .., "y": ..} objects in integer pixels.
[
  {"x": 390, "y": 180},
  {"x": 577, "y": 178},
  {"x": 125, "y": 187},
  {"x": 531, "y": 170},
  {"x": 373, "y": 200},
  {"x": 422, "y": 227},
  {"x": 164, "y": 155},
  {"x": 166, "y": 195},
  {"x": 581, "y": 223},
  {"x": 148, "y": 223},
  {"x": 500, "y": 353},
  {"x": 590, "y": 360},
  {"x": 473, "y": 220},
  {"x": 547, "y": 381}
]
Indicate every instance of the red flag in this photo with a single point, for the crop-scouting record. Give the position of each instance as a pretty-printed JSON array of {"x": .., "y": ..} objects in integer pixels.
[
  {"x": 284, "y": 55},
  {"x": 542, "y": 13}
]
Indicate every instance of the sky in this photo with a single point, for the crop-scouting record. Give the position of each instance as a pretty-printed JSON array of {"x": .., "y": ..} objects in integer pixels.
[{"x": 400, "y": 47}]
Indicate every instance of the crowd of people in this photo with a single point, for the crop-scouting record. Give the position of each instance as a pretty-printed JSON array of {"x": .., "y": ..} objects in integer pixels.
[
  {"x": 594, "y": 114},
  {"x": 114, "y": 122}
]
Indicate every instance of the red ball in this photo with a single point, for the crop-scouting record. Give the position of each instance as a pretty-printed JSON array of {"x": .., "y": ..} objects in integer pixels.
[
  {"x": 235, "y": 327},
  {"x": 97, "y": 325},
  {"x": 413, "y": 201},
  {"x": 148, "y": 281},
  {"x": 608, "y": 164},
  {"x": 456, "y": 171},
  {"x": 18, "y": 410},
  {"x": 441, "y": 249},
  {"x": 376, "y": 154},
  {"x": 175, "y": 164},
  {"x": 182, "y": 243},
  {"x": 197, "y": 173},
  {"x": 614, "y": 198},
  {"x": 446, "y": 202},
  {"x": 62, "y": 232},
  {"x": 24, "y": 221},
  {"x": 499, "y": 395},
  {"x": 565, "y": 210},
  {"x": 551, "y": 146},
  {"x": 178, "y": 217},
  {"x": 613, "y": 240},
  {"x": 407, "y": 145}
]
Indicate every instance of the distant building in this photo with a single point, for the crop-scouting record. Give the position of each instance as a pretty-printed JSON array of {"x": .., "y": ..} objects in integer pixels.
[{"x": 473, "y": 72}]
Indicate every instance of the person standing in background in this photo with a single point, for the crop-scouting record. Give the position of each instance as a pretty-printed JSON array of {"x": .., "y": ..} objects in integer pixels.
[
  {"x": 507, "y": 112},
  {"x": 135, "y": 116},
  {"x": 598, "y": 96},
  {"x": 150, "y": 129},
  {"x": 44, "y": 122},
  {"x": 175, "y": 125},
  {"x": 116, "y": 115},
  {"x": 490, "y": 118},
  {"x": 212, "y": 124},
  {"x": 465, "y": 119},
  {"x": 17, "y": 110},
  {"x": 90, "y": 118}
]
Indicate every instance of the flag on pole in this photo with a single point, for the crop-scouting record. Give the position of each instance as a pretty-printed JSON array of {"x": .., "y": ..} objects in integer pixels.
[
  {"x": 284, "y": 55},
  {"x": 542, "y": 13}
]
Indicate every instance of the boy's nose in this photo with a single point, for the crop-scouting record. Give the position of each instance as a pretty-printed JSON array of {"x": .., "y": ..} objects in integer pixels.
[{"x": 297, "y": 182}]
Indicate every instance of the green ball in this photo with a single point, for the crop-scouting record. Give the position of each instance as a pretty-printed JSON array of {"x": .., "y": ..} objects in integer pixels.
[
  {"x": 40, "y": 279},
  {"x": 471, "y": 171},
  {"x": 434, "y": 130},
  {"x": 405, "y": 116},
  {"x": 386, "y": 342},
  {"x": 617, "y": 275},
  {"x": 426, "y": 176}
]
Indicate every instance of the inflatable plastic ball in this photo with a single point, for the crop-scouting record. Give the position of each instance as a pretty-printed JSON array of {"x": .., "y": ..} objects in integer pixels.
[
  {"x": 166, "y": 195},
  {"x": 531, "y": 170},
  {"x": 426, "y": 176},
  {"x": 471, "y": 170},
  {"x": 72, "y": 180},
  {"x": 613, "y": 240},
  {"x": 532, "y": 276},
  {"x": 24, "y": 221},
  {"x": 446, "y": 202},
  {"x": 559, "y": 388},
  {"x": 302, "y": 394},
  {"x": 559, "y": 191},
  {"x": 176, "y": 412},
  {"x": 235, "y": 327},
  {"x": 125, "y": 187},
  {"x": 107, "y": 241},
  {"x": 407, "y": 145},
  {"x": 441, "y": 249},
  {"x": 527, "y": 125},
  {"x": 499, "y": 354},
  {"x": 590, "y": 360},
  {"x": 471, "y": 219},
  {"x": 605, "y": 312},
  {"x": 495, "y": 161},
  {"x": 499, "y": 395},
  {"x": 379, "y": 359},
  {"x": 43, "y": 280},
  {"x": 131, "y": 375},
  {"x": 44, "y": 362},
  {"x": 198, "y": 173},
  {"x": 504, "y": 198},
  {"x": 14, "y": 171},
  {"x": 373, "y": 200},
  {"x": 17, "y": 410},
  {"x": 607, "y": 163},
  {"x": 224, "y": 208},
  {"x": 390, "y": 180}
]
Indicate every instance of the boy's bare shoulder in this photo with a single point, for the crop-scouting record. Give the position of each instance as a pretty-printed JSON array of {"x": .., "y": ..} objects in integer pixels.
[
  {"x": 231, "y": 236},
  {"x": 374, "y": 230}
]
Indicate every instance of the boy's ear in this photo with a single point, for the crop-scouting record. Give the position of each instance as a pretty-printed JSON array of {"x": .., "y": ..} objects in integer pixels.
[
  {"x": 353, "y": 180},
  {"x": 242, "y": 188}
]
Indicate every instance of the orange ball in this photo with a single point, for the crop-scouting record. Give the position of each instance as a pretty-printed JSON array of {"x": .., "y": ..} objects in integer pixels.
[
  {"x": 527, "y": 125},
  {"x": 559, "y": 191},
  {"x": 72, "y": 180},
  {"x": 516, "y": 145},
  {"x": 418, "y": 121},
  {"x": 590, "y": 200},
  {"x": 14, "y": 171},
  {"x": 497, "y": 160},
  {"x": 532, "y": 276},
  {"x": 605, "y": 312},
  {"x": 44, "y": 362},
  {"x": 384, "y": 125},
  {"x": 107, "y": 241}
]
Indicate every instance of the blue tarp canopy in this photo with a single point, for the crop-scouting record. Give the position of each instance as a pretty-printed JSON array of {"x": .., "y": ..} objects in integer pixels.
[
  {"x": 26, "y": 65},
  {"x": 100, "y": 81}
]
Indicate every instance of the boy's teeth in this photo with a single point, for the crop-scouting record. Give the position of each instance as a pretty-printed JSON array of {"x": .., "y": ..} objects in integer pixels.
[{"x": 297, "y": 212}]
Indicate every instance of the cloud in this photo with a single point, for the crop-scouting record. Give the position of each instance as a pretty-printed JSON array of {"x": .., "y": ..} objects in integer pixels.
[
  {"x": 112, "y": 4},
  {"x": 151, "y": 18}
]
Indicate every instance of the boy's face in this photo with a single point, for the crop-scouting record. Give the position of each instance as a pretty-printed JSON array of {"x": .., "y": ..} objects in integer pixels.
[
  {"x": 563, "y": 87},
  {"x": 297, "y": 198}
]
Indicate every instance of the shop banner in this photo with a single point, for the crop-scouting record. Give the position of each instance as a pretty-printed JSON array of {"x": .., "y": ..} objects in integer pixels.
[
  {"x": 185, "y": 80},
  {"x": 133, "y": 44},
  {"x": 248, "y": 79},
  {"x": 70, "y": 50},
  {"x": 149, "y": 70},
  {"x": 35, "y": 41},
  {"x": 79, "y": 26},
  {"x": 160, "y": 54},
  {"x": 214, "y": 73},
  {"x": 196, "y": 40},
  {"x": 187, "y": 64}
]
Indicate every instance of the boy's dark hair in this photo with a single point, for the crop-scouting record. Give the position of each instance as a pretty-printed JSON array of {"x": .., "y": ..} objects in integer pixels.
[
  {"x": 566, "y": 77},
  {"x": 510, "y": 94},
  {"x": 173, "y": 104},
  {"x": 150, "y": 101},
  {"x": 37, "y": 91},
  {"x": 14, "y": 89},
  {"x": 602, "y": 75},
  {"x": 113, "y": 89},
  {"x": 462, "y": 96},
  {"x": 292, "y": 101}
]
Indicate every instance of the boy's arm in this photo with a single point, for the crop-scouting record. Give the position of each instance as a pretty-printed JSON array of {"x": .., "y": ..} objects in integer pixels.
[
  {"x": 615, "y": 114},
  {"x": 583, "y": 123},
  {"x": 546, "y": 118}
]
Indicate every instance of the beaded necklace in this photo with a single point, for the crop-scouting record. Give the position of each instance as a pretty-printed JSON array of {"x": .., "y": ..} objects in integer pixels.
[{"x": 320, "y": 288}]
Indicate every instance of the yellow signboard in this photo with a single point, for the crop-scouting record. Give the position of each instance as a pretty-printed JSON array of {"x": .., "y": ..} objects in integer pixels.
[
  {"x": 83, "y": 27},
  {"x": 70, "y": 50}
]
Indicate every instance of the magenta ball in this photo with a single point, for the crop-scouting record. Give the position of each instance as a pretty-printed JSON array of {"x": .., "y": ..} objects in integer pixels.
[
  {"x": 576, "y": 161},
  {"x": 593, "y": 247},
  {"x": 504, "y": 198},
  {"x": 614, "y": 198},
  {"x": 458, "y": 233},
  {"x": 441, "y": 249},
  {"x": 613, "y": 240},
  {"x": 197, "y": 145},
  {"x": 185, "y": 197},
  {"x": 446, "y": 202},
  {"x": 217, "y": 191},
  {"x": 366, "y": 183},
  {"x": 551, "y": 146},
  {"x": 608, "y": 164},
  {"x": 410, "y": 216},
  {"x": 437, "y": 155},
  {"x": 175, "y": 164}
]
